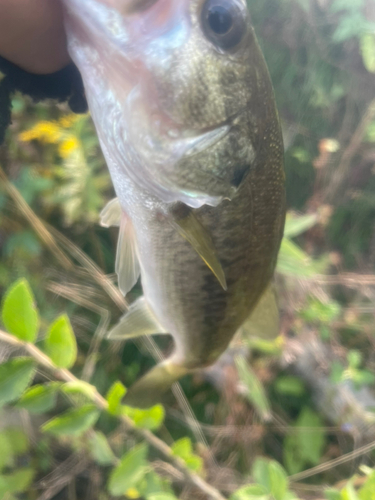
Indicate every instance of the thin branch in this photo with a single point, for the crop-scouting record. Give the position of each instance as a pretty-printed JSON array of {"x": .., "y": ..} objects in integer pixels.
[
  {"x": 65, "y": 375},
  {"x": 34, "y": 221},
  {"x": 333, "y": 463},
  {"x": 62, "y": 476},
  {"x": 342, "y": 170},
  {"x": 55, "y": 241}
]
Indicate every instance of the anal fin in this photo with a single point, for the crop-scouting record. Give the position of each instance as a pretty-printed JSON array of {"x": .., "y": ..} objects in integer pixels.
[
  {"x": 138, "y": 321},
  {"x": 192, "y": 230},
  {"x": 149, "y": 389},
  {"x": 263, "y": 321}
]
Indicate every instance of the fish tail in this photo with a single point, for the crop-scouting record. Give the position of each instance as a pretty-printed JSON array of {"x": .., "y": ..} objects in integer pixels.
[{"x": 149, "y": 390}]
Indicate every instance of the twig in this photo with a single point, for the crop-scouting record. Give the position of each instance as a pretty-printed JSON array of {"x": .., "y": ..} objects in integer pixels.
[
  {"x": 54, "y": 240},
  {"x": 333, "y": 463},
  {"x": 338, "y": 177},
  {"x": 62, "y": 476},
  {"x": 34, "y": 221},
  {"x": 154, "y": 441},
  {"x": 69, "y": 292}
]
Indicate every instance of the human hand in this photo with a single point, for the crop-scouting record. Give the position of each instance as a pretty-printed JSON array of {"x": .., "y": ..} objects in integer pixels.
[{"x": 32, "y": 35}]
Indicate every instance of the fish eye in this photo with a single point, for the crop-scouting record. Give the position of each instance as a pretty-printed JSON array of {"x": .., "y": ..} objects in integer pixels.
[{"x": 223, "y": 23}]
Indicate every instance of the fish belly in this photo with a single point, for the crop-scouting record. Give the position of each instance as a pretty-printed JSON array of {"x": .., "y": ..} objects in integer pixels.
[{"x": 182, "y": 291}]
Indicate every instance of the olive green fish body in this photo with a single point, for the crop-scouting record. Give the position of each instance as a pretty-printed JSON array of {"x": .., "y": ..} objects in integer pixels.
[
  {"x": 185, "y": 113},
  {"x": 180, "y": 288}
]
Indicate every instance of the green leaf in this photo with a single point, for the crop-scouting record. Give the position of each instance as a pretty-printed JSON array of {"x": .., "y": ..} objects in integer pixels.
[
  {"x": 255, "y": 392},
  {"x": 15, "y": 376},
  {"x": 362, "y": 377},
  {"x": 150, "y": 419},
  {"x": 271, "y": 476},
  {"x": 100, "y": 449},
  {"x": 250, "y": 492},
  {"x": 292, "y": 460},
  {"x": 322, "y": 312},
  {"x": 370, "y": 132},
  {"x": 350, "y": 27},
  {"x": 18, "y": 440},
  {"x": 183, "y": 448},
  {"x": 73, "y": 422},
  {"x": 79, "y": 391},
  {"x": 20, "y": 315},
  {"x": 349, "y": 493},
  {"x": 368, "y": 51},
  {"x": 7, "y": 453},
  {"x": 332, "y": 494},
  {"x": 304, "y": 447},
  {"x": 39, "y": 398},
  {"x": 60, "y": 343},
  {"x": 152, "y": 483},
  {"x": 354, "y": 358},
  {"x": 273, "y": 347},
  {"x": 260, "y": 473},
  {"x": 289, "y": 385},
  {"x": 129, "y": 472},
  {"x": 17, "y": 482},
  {"x": 311, "y": 436},
  {"x": 367, "y": 490},
  {"x": 337, "y": 372},
  {"x": 293, "y": 261},
  {"x": 296, "y": 225},
  {"x": 114, "y": 396},
  {"x": 278, "y": 479}
]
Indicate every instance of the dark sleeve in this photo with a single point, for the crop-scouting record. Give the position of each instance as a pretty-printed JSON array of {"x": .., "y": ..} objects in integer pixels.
[{"x": 64, "y": 85}]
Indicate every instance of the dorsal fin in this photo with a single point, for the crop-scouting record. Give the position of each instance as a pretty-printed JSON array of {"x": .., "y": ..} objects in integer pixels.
[
  {"x": 189, "y": 227},
  {"x": 111, "y": 214}
]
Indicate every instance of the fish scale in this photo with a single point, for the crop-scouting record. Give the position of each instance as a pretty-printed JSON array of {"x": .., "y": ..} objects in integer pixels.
[{"x": 189, "y": 129}]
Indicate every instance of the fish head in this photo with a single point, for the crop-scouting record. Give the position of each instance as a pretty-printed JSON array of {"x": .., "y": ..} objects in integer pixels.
[{"x": 175, "y": 88}]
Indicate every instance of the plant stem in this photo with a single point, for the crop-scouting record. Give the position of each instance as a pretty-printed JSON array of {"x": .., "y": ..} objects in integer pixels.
[{"x": 65, "y": 375}]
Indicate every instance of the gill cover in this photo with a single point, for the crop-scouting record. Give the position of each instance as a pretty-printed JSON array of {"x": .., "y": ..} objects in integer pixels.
[{"x": 124, "y": 50}]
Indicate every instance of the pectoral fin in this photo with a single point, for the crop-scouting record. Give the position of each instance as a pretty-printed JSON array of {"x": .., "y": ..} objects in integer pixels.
[
  {"x": 111, "y": 214},
  {"x": 138, "y": 321},
  {"x": 192, "y": 230},
  {"x": 263, "y": 322},
  {"x": 149, "y": 390}
]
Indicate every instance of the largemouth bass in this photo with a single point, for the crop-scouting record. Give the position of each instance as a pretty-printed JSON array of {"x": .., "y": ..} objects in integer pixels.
[{"x": 184, "y": 109}]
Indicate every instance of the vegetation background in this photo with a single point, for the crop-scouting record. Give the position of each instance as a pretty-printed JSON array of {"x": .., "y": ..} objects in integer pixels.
[{"x": 284, "y": 418}]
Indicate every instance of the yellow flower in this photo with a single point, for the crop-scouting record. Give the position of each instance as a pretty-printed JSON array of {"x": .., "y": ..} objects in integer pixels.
[
  {"x": 132, "y": 493},
  {"x": 48, "y": 132},
  {"x": 68, "y": 146}
]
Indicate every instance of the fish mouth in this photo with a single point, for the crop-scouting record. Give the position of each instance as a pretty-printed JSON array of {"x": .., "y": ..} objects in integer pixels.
[{"x": 135, "y": 6}]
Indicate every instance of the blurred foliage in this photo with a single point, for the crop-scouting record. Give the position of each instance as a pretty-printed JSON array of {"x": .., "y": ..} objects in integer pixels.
[{"x": 274, "y": 419}]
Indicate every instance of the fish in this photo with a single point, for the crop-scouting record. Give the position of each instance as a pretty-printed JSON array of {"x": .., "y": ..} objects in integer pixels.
[{"x": 185, "y": 112}]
